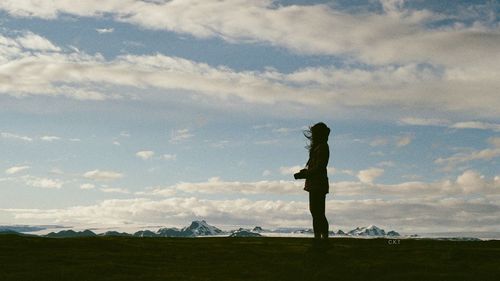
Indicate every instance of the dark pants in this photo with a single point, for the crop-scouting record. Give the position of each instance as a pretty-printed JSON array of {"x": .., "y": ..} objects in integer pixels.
[{"x": 317, "y": 208}]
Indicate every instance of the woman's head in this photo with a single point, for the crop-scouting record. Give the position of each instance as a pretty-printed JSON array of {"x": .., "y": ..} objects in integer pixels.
[{"x": 318, "y": 133}]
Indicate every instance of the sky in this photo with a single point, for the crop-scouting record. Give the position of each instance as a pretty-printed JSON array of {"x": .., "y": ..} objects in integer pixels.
[{"x": 129, "y": 112}]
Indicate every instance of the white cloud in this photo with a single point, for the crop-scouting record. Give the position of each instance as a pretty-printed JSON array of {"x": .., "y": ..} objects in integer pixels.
[
  {"x": 42, "y": 182},
  {"x": 102, "y": 175},
  {"x": 87, "y": 186},
  {"x": 369, "y": 175},
  {"x": 403, "y": 141},
  {"x": 290, "y": 170},
  {"x": 494, "y": 141},
  {"x": 171, "y": 157},
  {"x": 474, "y": 155},
  {"x": 398, "y": 35},
  {"x": 380, "y": 141},
  {"x": 446, "y": 123},
  {"x": 180, "y": 135},
  {"x": 266, "y": 173},
  {"x": 145, "y": 154},
  {"x": 216, "y": 186},
  {"x": 15, "y": 137},
  {"x": 114, "y": 190},
  {"x": 398, "y": 141},
  {"x": 477, "y": 125},
  {"x": 437, "y": 206},
  {"x": 485, "y": 154},
  {"x": 412, "y": 66},
  {"x": 424, "y": 121},
  {"x": 16, "y": 169},
  {"x": 104, "y": 30},
  {"x": 50, "y": 138},
  {"x": 34, "y": 41}
]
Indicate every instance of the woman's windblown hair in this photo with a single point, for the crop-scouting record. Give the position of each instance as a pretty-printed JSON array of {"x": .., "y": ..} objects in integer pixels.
[{"x": 316, "y": 135}]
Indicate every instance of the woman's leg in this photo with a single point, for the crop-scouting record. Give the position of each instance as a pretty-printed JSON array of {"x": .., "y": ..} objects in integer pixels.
[
  {"x": 313, "y": 207},
  {"x": 317, "y": 208}
]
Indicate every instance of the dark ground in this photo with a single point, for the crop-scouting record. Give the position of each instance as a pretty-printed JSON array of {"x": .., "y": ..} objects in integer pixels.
[{"x": 122, "y": 258}]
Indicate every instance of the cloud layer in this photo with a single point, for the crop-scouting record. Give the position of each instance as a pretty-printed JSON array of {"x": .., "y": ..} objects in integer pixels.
[{"x": 397, "y": 59}]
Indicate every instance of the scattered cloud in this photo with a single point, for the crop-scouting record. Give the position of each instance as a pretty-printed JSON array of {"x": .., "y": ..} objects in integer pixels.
[
  {"x": 50, "y": 138},
  {"x": 114, "y": 190},
  {"x": 424, "y": 121},
  {"x": 446, "y": 123},
  {"x": 471, "y": 155},
  {"x": 477, "y": 125},
  {"x": 403, "y": 141},
  {"x": 104, "y": 30},
  {"x": 12, "y": 136},
  {"x": 398, "y": 141},
  {"x": 217, "y": 186},
  {"x": 87, "y": 186},
  {"x": 266, "y": 173},
  {"x": 99, "y": 175},
  {"x": 429, "y": 76},
  {"x": 369, "y": 175},
  {"x": 16, "y": 169},
  {"x": 169, "y": 157},
  {"x": 438, "y": 206},
  {"x": 180, "y": 135},
  {"x": 290, "y": 170},
  {"x": 34, "y": 41},
  {"x": 145, "y": 154},
  {"x": 42, "y": 182}
]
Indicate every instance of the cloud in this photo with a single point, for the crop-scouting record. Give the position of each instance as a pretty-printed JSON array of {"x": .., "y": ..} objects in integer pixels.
[
  {"x": 217, "y": 186},
  {"x": 397, "y": 35},
  {"x": 369, "y": 175},
  {"x": 42, "y": 182},
  {"x": 34, "y": 41},
  {"x": 398, "y": 141},
  {"x": 12, "y": 136},
  {"x": 477, "y": 125},
  {"x": 290, "y": 170},
  {"x": 445, "y": 205},
  {"x": 424, "y": 121},
  {"x": 180, "y": 135},
  {"x": 474, "y": 155},
  {"x": 410, "y": 63},
  {"x": 145, "y": 154},
  {"x": 16, "y": 169},
  {"x": 114, "y": 190},
  {"x": 326, "y": 87},
  {"x": 446, "y": 123},
  {"x": 99, "y": 175},
  {"x": 50, "y": 138},
  {"x": 169, "y": 157},
  {"x": 87, "y": 186},
  {"x": 404, "y": 141},
  {"x": 104, "y": 30}
]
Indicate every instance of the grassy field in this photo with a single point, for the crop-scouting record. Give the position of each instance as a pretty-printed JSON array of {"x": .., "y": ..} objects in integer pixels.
[{"x": 120, "y": 258}]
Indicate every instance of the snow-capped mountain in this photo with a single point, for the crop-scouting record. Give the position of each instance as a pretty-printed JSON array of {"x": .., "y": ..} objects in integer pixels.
[
  {"x": 371, "y": 230},
  {"x": 201, "y": 228},
  {"x": 197, "y": 228}
]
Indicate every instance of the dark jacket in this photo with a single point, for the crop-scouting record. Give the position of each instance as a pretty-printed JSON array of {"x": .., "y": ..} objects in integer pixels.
[{"x": 316, "y": 173}]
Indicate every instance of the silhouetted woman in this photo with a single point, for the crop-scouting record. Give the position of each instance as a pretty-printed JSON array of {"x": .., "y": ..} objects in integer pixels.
[{"x": 316, "y": 177}]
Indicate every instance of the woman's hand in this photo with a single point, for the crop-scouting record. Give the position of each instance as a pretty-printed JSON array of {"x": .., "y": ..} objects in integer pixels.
[{"x": 300, "y": 175}]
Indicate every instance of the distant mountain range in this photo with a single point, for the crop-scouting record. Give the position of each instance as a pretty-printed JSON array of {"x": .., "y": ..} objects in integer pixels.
[{"x": 202, "y": 228}]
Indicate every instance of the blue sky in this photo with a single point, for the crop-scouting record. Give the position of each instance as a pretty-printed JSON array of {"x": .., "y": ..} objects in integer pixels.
[{"x": 161, "y": 112}]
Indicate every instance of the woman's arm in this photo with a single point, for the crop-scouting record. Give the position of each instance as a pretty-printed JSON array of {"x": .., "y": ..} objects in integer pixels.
[{"x": 320, "y": 161}]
